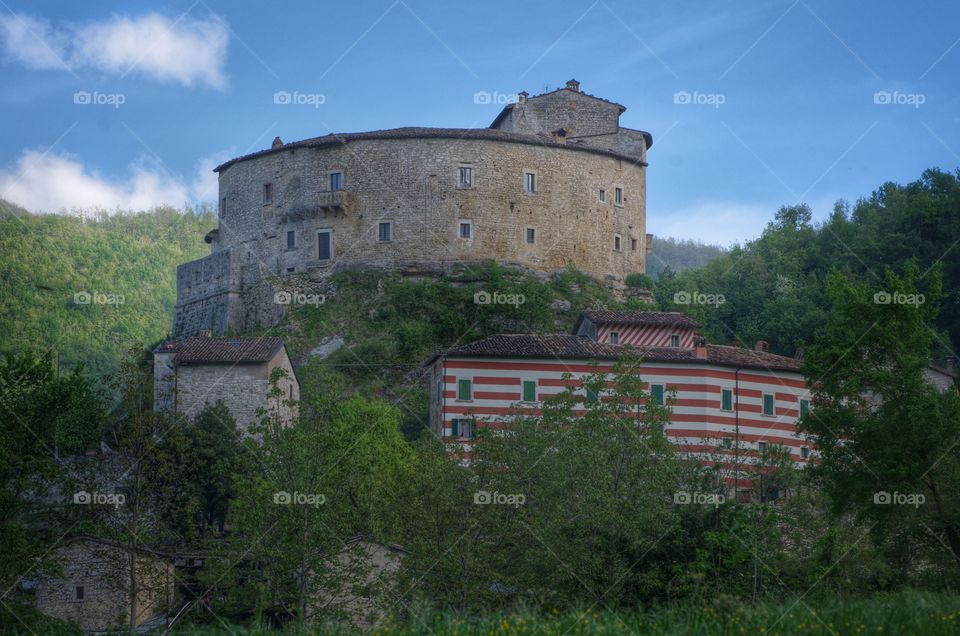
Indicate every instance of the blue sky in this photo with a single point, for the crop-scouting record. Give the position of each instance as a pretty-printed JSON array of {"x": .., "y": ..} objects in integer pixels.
[{"x": 752, "y": 105}]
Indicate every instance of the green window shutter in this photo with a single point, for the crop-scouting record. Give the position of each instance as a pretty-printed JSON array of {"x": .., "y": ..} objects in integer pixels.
[
  {"x": 657, "y": 391},
  {"x": 804, "y": 407},
  {"x": 529, "y": 391},
  {"x": 591, "y": 395},
  {"x": 767, "y": 404},
  {"x": 726, "y": 400},
  {"x": 464, "y": 390},
  {"x": 455, "y": 427}
]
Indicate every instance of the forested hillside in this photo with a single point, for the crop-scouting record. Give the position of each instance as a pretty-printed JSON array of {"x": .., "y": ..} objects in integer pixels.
[
  {"x": 678, "y": 255},
  {"x": 774, "y": 288},
  {"x": 90, "y": 288}
]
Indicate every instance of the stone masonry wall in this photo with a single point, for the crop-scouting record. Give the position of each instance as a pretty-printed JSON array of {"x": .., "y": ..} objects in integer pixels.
[
  {"x": 209, "y": 295},
  {"x": 242, "y": 387}
]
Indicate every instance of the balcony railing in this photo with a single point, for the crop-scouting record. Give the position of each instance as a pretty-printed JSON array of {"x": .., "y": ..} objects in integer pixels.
[{"x": 333, "y": 200}]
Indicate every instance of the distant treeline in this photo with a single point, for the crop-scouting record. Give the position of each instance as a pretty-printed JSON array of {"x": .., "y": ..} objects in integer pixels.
[{"x": 678, "y": 255}]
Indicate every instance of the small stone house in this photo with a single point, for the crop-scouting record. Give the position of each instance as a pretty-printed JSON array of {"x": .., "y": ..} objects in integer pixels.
[
  {"x": 190, "y": 374},
  {"x": 94, "y": 589}
]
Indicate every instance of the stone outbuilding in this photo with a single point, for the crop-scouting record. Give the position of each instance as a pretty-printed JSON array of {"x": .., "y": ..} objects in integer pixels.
[
  {"x": 105, "y": 584},
  {"x": 190, "y": 374}
]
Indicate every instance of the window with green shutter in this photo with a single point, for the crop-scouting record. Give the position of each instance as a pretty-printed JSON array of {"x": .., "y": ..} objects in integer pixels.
[
  {"x": 657, "y": 392},
  {"x": 591, "y": 395},
  {"x": 767, "y": 404},
  {"x": 455, "y": 427},
  {"x": 726, "y": 400},
  {"x": 464, "y": 390},
  {"x": 804, "y": 407},
  {"x": 529, "y": 391}
]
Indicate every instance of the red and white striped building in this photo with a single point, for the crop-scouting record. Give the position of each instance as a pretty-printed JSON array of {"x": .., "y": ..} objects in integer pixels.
[{"x": 727, "y": 400}]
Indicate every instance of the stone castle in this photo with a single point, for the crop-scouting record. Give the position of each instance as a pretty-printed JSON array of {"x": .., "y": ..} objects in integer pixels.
[{"x": 554, "y": 181}]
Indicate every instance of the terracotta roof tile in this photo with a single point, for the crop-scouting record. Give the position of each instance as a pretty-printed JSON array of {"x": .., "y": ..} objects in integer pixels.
[
  {"x": 652, "y": 318},
  {"x": 223, "y": 350}
]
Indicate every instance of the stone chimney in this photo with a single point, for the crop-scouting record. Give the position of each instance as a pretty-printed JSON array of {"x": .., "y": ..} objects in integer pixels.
[
  {"x": 700, "y": 348},
  {"x": 522, "y": 97},
  {"x": 277, "y": 143},
  {"x": 761, "y": 346},
  {"x": 574, "y": 85}
]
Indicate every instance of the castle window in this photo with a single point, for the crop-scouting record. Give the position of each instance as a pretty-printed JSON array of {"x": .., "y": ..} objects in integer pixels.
[
  {"x": 291, "y": 239},
  {"x": 325, "y": 245},
  {"x": 79, "y": 593},
  {"x": 466, "y": 230},
  {"x": 674, "y": 341},
  {"x": 616, "y": 242},
  {"x": 531, "y": 235},
  {"x": 267, "y": 193},
  {"x": 602, "y": 196},
  {"x": 385, "y": 231},
  {"x": 223, "y": 207},
  {"x": 614, "y": 337},
  {"x": 291, "y": 270},
  {"x": 465, "y": 177},
  {"x": 529, "y": 182},
  {"x": 633, "y": 245},
  {"x": 618, "y": 196},
  {"x": 336, "y": 181}
]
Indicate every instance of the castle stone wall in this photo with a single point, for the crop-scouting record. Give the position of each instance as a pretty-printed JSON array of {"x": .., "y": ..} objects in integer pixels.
[{"x": 209, "y": 295}]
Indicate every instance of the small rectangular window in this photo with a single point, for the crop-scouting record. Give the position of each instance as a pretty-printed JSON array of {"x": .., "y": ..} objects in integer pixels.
[
  {"x": 726, "y": 400},
  {"x": 466, "y": 429},
  {"x": 616, "y": 242},
  {"x": 804, "y": 452},
  {"x": 223, "y": 207},
  {"x": 455, "y": 427},
  {"x": 767, "y": 404},
  {"x": 633, "y": 245},
  {"x": 529, "y": 182},
  {"x": 79, "y": 593},
  {"x": 762, "y": 447},
  {"x": 466, "y": 230},
  {"x": 529, "y": 391},
  {"x": 291, "y": 270},
  {"x": 614, "y": 337},
  {"x": 268, "y": 193},
  {"x": 325, "y": 245},
  {"x": 385, "y": 231},
  {"x": 674, "y": 341},
  {"x": 618, "y": 196},
  {"x": 465, "y": 177},
  {"x": 464, "y": 390},
  {"x": 291, "y": 239},
  {"x": 656, "y": 393},
  {"x": 531, "y": 235},
  {"x": 804, "y": 407},
  {"x": 602, "y": 196},
  {"x": 336, "y": 181}
]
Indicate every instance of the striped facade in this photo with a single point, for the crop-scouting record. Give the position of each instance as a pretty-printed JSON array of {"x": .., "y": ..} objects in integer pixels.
[{"x": 726, "y": 401}]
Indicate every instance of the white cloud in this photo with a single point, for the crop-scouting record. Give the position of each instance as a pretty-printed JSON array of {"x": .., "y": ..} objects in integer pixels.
[
  {"x": 187, "y": 51},
  {"x": 56, "y": 183},
  {"x": 716, "y": 223}
]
